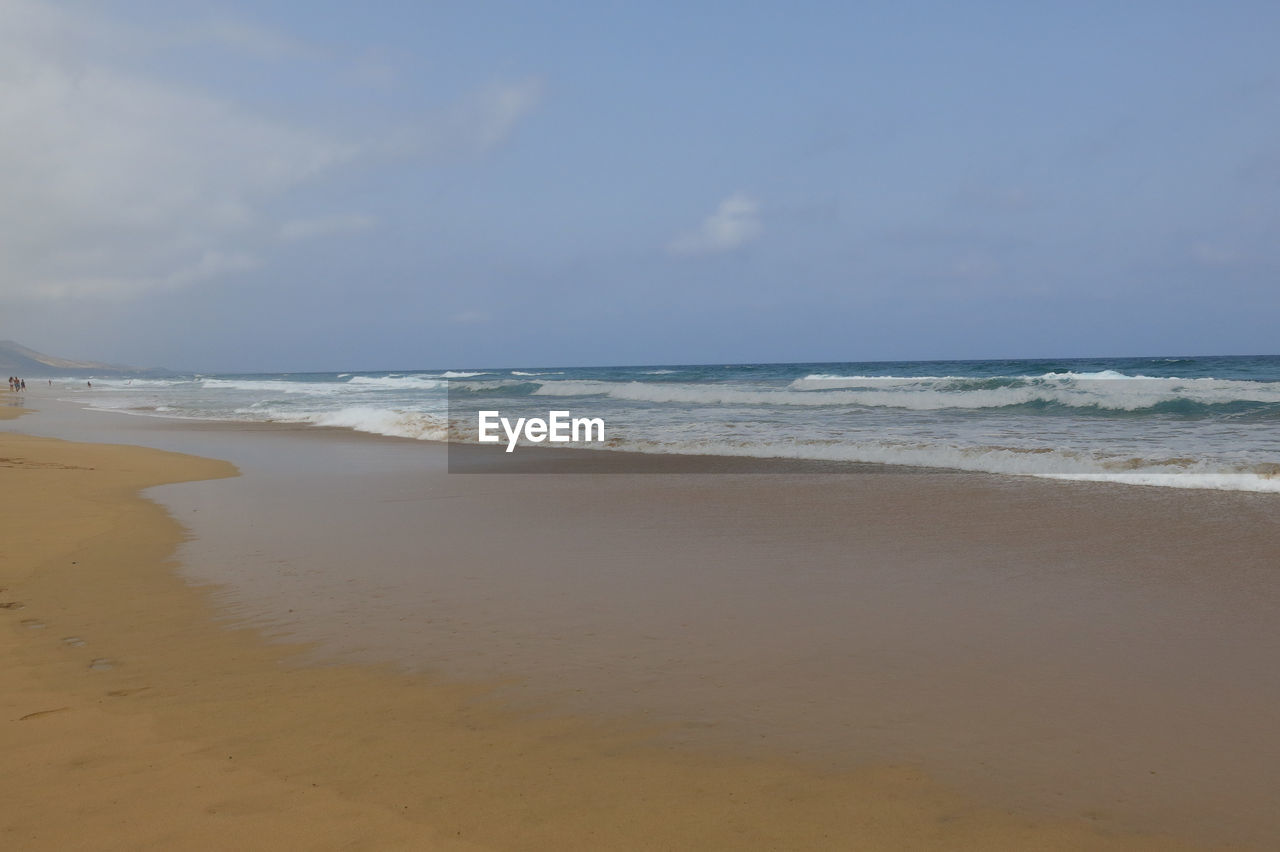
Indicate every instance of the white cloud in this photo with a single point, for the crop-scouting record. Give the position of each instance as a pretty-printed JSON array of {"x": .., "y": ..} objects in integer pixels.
[
  {"x": 117, "y": 181},
  {"x": 735, "y": 223},
  {"x": 477, "y": 123},
  {"x": 487, "y": 118}
]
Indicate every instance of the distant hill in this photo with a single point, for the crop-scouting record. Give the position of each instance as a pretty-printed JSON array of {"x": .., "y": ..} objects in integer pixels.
[{"x": 18, "y": 360}]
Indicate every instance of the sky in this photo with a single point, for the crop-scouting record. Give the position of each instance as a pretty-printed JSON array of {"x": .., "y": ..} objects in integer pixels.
[{"x": 272, "y": 186}]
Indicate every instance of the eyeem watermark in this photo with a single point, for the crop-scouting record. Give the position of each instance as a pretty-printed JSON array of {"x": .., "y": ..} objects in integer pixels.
[{"x": 560, "y": 427}]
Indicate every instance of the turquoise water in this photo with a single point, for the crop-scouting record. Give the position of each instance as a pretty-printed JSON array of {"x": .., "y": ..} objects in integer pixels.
[{"x": 1202, "y": 422}]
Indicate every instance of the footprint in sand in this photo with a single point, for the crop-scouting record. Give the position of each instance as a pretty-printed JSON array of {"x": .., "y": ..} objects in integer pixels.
[
  {"x": 102, "y": 664},
  {"x": 121, "y": 693},
  {"x": 73, "y": 641},
  {"x": 39, "y": 713},
  {"x": 11, "y": 604},
  {"x": 32, "y": 623}
]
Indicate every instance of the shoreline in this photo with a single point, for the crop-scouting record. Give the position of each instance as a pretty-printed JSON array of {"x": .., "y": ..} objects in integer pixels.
[
  {"x": 1199, "y": 425},
  {"x": 472, "y": 458},
  {"x": 357, "y": 732}
]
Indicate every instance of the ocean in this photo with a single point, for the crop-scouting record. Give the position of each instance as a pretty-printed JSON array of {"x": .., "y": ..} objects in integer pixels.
[{"x": 1190, "y": 422}]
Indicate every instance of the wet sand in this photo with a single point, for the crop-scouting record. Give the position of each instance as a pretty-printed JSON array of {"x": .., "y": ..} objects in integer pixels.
[{"x": 807, "y": 661}]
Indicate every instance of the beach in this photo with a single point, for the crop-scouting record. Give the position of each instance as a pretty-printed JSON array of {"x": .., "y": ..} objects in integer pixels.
[
  {"x": 628, "y": 426},
  {"x": 345, "y": 646}
]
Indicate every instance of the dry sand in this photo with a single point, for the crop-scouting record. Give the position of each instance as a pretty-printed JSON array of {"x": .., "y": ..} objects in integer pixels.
[{"x": 130, "y": 719}]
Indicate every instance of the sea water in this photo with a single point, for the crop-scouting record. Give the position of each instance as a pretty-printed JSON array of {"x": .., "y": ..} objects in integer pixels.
[{"x": 1194, "y": 422}]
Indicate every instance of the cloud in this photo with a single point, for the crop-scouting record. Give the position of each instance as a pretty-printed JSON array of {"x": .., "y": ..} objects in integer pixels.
[
  {"x": 487, "y": 118},
  {"x": 118, "y": 180},
  {"x": 479, "y": 122},
  {"x": 735, "y": 223}
]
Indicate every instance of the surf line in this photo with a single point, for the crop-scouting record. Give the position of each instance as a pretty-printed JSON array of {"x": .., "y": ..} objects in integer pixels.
[{"x": 560, "y": 427}]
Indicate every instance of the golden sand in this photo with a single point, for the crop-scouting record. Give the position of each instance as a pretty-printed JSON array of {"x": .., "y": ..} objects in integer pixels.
[{"x": 129, "y": 718}]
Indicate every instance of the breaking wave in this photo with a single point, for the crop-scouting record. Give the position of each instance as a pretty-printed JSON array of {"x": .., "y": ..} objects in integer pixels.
[
  {"x": 1101, "y": 419},
  {"x": 1101, "y": 391},
  {"x": 419, "y": 425}
]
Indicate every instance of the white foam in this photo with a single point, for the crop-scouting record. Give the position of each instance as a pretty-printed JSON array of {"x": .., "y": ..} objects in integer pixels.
[
  {"x": 914, "y": 395},
  {"x": 420, "y": 425},
  {"x": 862, "y": 420},
  {"x": 1043, "y": 463},
  {"x": 1103, "y": 375},
  {"x": 831, "y": 377},
  {"x": 417, "y": 382},
  {"x": 276, "y": 386},
  {"x": 832, "y": 380},
  {"x": 1214, "y": 481},
  {"x": 123, "y": 383},
  {"x": 1106, "y": 389}
]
